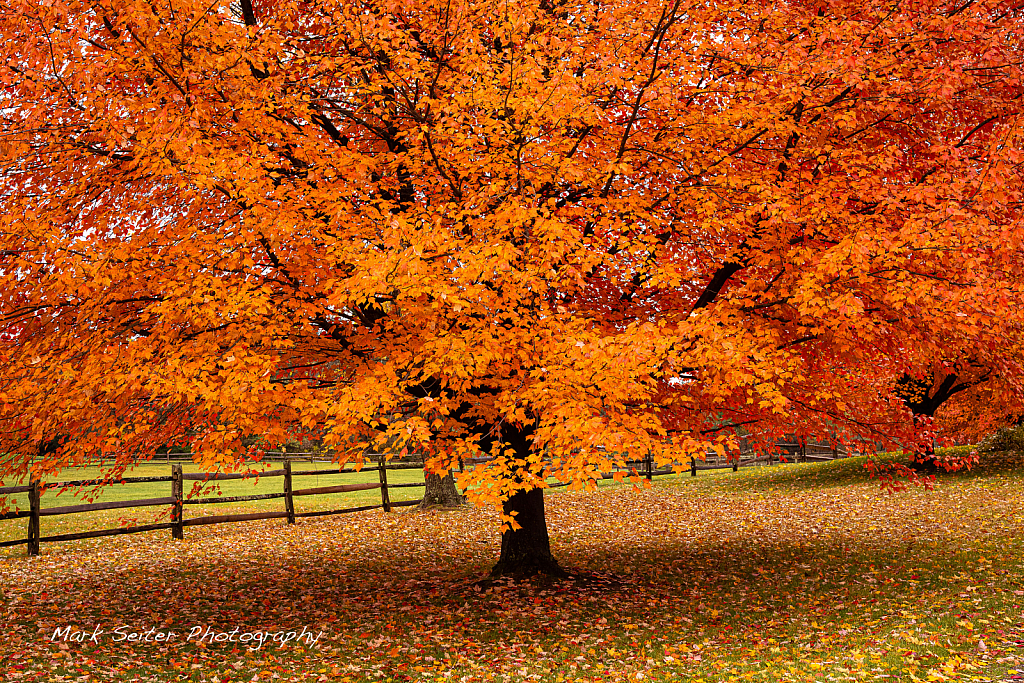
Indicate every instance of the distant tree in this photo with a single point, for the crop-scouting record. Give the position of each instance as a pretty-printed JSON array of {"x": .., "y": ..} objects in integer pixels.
[
  {"x": 981, "y": 410},
  {"x": 979, "y": 393},
  {"x": 441, "y": 490}
]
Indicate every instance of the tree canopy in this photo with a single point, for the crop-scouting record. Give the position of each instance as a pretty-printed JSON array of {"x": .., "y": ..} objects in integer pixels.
[{"x": 606, "y": 229}]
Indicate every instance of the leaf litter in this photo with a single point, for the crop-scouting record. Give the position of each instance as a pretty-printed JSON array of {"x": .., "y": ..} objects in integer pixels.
[{"x": 725, "y": 578}]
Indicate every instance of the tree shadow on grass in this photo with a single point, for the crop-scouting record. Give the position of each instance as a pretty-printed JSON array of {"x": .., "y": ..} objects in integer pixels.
[
  {"x": 393, "y": 593},
  {"x": 402, "y": 591}
]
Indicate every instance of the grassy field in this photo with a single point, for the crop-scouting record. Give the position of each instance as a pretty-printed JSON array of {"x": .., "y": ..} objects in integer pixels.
[{"x": 789, "y": 573}]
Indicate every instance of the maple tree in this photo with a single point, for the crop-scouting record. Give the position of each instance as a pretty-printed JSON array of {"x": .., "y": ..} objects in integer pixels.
[{"x": 565, "y": 234}]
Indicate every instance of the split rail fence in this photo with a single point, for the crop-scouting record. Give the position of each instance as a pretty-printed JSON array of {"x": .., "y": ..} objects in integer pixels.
[
  {"x": 177, "y": 501},
  {"x": 788, "y": 453},
  {"x": 645, "y": 468}
]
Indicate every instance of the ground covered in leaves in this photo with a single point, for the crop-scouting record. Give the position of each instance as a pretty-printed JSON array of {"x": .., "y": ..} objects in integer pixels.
[{"x": 790, "y": 573}]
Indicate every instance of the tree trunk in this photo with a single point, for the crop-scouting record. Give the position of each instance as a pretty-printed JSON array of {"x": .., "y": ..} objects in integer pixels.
[
  {"x": 441, "y": 491},
  {"x": 527, "y": 550},
  {"x": 923, "y": 397},
  {"x": 927, "y": 462}
]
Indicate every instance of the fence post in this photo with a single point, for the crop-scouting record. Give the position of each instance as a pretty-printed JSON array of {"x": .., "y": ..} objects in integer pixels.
[
  {"x": 177, "y": 507},
  {"x": 33, "y": 520},
  {"x": 693, "y": 466},
  {"x": 385, "y": 499},
  {"x": 289, "y": 501}
]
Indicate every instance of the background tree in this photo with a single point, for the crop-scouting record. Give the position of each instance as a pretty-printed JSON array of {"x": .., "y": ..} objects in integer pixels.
[
  {"x": 565, "y": 234},
  {"x": 978, "y": 412},
  {"x": 441, "y": 490}
]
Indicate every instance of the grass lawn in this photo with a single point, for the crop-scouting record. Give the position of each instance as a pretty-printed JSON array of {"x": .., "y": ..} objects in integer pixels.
[{"x": 789, "y": 573}]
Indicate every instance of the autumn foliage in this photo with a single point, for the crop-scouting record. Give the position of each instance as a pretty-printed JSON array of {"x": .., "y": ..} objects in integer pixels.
[{"x": 606, "y": 229}]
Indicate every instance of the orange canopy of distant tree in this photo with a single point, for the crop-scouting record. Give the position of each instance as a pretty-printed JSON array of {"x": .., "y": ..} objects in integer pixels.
[{"x": 589, "y": 231}]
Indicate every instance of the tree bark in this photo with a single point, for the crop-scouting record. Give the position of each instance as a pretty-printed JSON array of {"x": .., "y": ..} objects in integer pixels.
[
  {"x": 525, "y": 551},
  {"x": 441, "y": 491},
  {"x": 927, "y": 462},
  {"x": 923, "y": 399}
]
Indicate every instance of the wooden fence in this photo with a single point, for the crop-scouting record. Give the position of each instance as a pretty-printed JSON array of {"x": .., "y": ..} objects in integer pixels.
[
  {"x": 789, "y": 453},
  {"x": 645, "y": 468},
  {"x": 177, "y": 501}
]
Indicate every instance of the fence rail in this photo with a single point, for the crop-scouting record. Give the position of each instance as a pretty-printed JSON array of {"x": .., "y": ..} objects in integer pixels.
[
  {"x": 268, "y": 456},
  {"x": 177, "y": 501}
]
